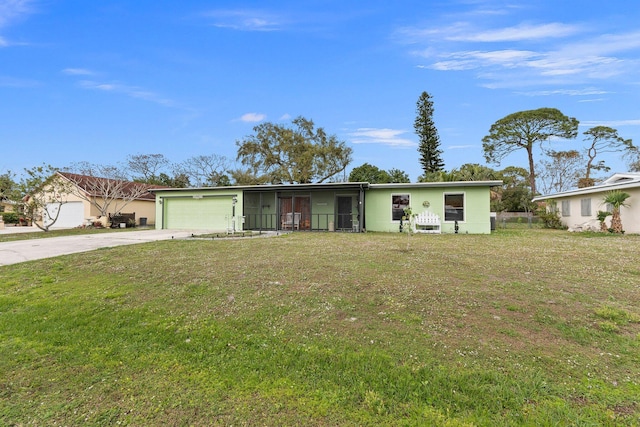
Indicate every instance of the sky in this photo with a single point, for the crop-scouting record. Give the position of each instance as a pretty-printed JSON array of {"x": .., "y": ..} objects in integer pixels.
[{"x": 99, "y": 81}]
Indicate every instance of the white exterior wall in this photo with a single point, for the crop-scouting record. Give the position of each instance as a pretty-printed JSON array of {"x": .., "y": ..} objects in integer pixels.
[{"x": 630, "y": 215}]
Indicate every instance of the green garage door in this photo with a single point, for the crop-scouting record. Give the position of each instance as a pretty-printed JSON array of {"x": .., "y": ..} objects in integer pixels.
[{"x": 207, "y": 213}]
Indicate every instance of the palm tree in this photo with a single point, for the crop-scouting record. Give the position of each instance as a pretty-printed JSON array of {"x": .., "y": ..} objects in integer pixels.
[
  {"x": 616, "y": 199},
  {"x": 602, "y": 217}
]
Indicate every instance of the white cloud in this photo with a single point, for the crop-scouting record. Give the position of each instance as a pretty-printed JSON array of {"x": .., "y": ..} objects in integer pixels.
[
  {"x": 465, "y": 32},
  {"x": 285, "y": 116},
  {"x": 245, "y": 20},
  {"x": 11, "y": 10},
  {"x": 567, "y": 92},
  {"x": 385, "y": 136},
  {"x": 131, "y": 91},
  {"x": 518, "y": 33},
  {"x": 253, "y": 117},
  {"x": 78, "y": 72},
  {"x": 525, "y": 54}
]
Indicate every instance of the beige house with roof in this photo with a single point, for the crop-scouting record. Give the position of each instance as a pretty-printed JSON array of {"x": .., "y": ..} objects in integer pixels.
[
  {"x": 578, "y": 209},
  {"x": 90, "y": 198}
]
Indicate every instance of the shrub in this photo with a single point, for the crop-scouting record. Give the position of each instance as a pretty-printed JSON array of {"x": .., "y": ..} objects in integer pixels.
[
  {"x": 10, "y": 217},
  {"x": 551, "y": 220}
]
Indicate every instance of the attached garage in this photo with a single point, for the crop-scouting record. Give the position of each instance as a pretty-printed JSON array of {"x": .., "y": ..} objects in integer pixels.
[
  {"x": 199, "y": 212},
  {"x": 71, "y": 215}
]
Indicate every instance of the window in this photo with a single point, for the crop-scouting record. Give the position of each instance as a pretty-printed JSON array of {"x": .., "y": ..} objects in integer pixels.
[
  {"x": 454, "y": 207},
  {"x": 566, "y": 208},
  {"x": 399, "y": 202},
  {"x": 585, "y": 207}
]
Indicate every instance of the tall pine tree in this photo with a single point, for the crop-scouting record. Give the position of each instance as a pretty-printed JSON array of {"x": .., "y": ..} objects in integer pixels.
[{"x": 429, "y": 147}]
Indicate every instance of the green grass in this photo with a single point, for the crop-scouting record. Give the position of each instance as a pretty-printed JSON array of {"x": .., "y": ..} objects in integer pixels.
[{"x": 521, "y": 327}]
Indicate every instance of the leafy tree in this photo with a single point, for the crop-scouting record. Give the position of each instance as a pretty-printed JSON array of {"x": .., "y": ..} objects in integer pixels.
[
  {"x": 561, "y": 171},
  {"x": 515, "y": 194},
  {"x": 439, "y": 176},
  {"x": 369, "y": 173},
  {"x": 299, "y": 154},
  {"x": 44, "y": 194},
  {"x": 523, "y": 130},
  {"x": 617, "y": 199},
  {"x": 603, "y": 140},
  {"x": 375, "y": 175},
  {"x": 179, "y": 180},
  {"x": 7, "y": 185},
  {"x": 247, "y": 177},
  {"x": 398, "y": 176},
  {"x": 476, "y": 172},
  {"x": 429, "y": 145},
  {"x": 466, "y": 172},
  {"x": 515, "y": 176}
]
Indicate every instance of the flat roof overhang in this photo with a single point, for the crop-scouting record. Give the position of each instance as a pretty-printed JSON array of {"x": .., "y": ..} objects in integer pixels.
[{"x": 276, "y": 187}]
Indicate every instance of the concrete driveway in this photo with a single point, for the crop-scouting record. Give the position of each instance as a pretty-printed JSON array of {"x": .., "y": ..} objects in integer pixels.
[{"x": 29, "y": 250}]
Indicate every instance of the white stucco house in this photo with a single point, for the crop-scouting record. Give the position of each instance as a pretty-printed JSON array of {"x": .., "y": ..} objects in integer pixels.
[{"x": 578, "y": 209}]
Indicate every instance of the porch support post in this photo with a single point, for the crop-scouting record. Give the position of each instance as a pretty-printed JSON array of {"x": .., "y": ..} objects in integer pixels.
[{"x": 361, "y": 209}]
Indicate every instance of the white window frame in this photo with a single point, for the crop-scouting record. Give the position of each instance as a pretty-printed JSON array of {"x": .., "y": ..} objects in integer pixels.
[{"x": 565, "y": 207}]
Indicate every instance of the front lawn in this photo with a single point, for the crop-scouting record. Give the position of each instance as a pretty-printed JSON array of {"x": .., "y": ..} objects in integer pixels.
[{"x": 521, "y": 327}]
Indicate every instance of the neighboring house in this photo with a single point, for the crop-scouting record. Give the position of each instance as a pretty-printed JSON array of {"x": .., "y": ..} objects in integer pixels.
[
  {"x": 349, "y": 206},
  {"x": 79, "y": 210},
  {"x": 6, "y": 205},
  {"x": 578, "y": 209}
]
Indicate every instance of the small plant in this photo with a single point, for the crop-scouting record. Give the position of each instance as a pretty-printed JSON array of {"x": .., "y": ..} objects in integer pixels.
[
  {"x": 374, "y": 402},
  {"x": 616, "y": 315},
  {"x": 407, "y": 220},
  {"x": 608, "y": 326},
  {"x": 602, "y": 216}
]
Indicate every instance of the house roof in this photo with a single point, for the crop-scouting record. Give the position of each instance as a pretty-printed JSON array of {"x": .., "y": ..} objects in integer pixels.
[
  {"x": 617, "y": 181},
  {"x": 91, "y": 185},
  {"x": 439, "y": 184},
  {"x": 343, "y": 186},
  {"x": 280, "y": 187}
]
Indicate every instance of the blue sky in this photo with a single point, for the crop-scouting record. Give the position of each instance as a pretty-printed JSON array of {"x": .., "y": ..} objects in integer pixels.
[{"x": 97, "y": 81}]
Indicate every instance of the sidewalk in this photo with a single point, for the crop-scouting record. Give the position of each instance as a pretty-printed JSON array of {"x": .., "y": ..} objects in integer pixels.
[{"x": 11, "y": 229}]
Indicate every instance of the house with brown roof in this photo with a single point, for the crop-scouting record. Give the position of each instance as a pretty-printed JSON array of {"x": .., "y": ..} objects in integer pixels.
[{"x": 89, "y": 199}]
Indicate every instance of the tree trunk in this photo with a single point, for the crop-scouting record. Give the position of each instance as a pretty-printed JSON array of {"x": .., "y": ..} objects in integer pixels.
[
  {"x": 616, "y": 221},
  {"x": 532, "y": 172}
]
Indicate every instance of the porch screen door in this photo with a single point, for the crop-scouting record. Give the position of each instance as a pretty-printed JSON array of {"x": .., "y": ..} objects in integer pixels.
[{"x": 345, "y": 206}]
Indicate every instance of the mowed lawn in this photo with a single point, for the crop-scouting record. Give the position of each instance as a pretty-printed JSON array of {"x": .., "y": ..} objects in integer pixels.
[{"x": 521, "y": 327}]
